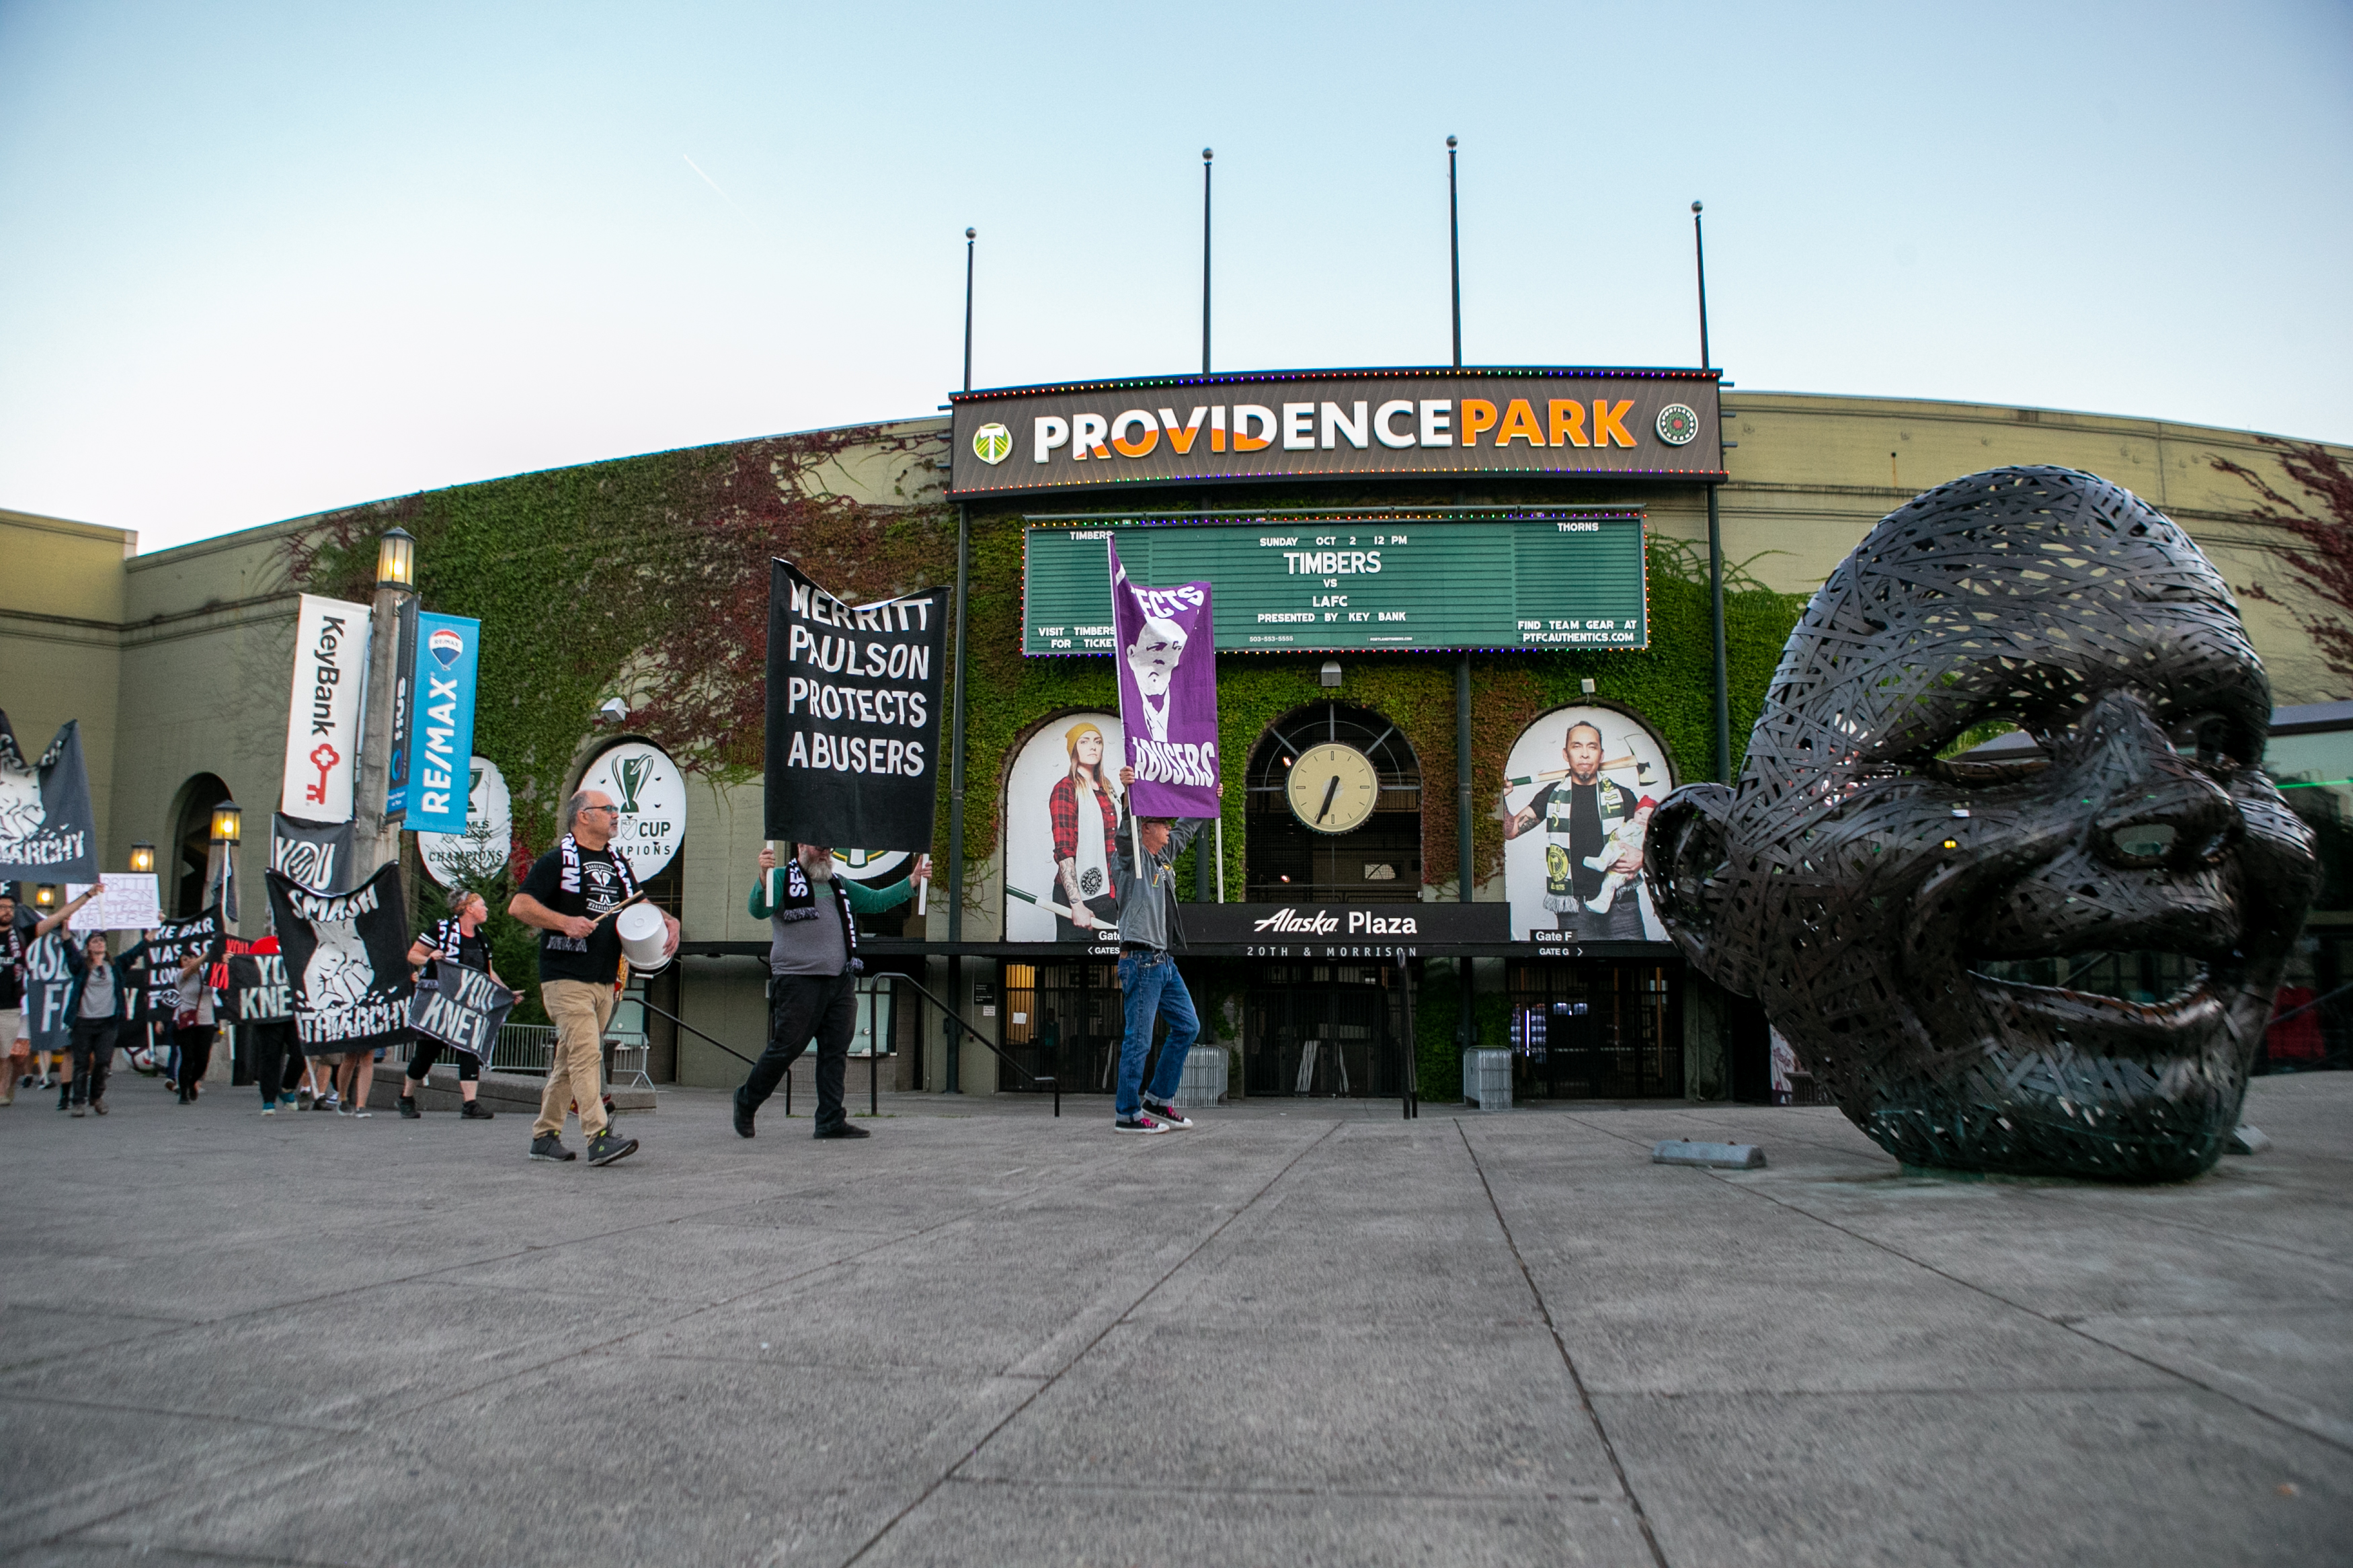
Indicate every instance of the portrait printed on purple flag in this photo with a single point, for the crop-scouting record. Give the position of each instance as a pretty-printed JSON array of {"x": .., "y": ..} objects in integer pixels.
[{"x": 1166, "y": 662}]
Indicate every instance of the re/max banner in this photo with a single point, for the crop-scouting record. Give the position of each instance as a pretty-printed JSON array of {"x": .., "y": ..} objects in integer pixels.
[{"x": 449, "y": 650}]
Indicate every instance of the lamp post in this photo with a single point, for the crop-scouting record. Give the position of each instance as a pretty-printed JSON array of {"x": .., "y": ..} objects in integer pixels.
[
  {"x": 375, "y": 842},
  {"x": 228, "y": 828}
]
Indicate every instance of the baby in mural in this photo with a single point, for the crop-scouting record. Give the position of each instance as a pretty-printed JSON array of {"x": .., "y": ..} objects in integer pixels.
[{"x": 1625, "y": 838}]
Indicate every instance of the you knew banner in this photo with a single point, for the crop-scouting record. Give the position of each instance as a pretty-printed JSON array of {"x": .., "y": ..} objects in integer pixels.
[
  {"x": 348, "y": 959},
  {"x": 258, "y": 991},
  {"x": 853, "y": 715},
  {"x": 1167, "y": 658},
  {"x": 323, "y": 720},
  {"x": 46, "y": 831},
  {"x": 461, "y": 1007}
]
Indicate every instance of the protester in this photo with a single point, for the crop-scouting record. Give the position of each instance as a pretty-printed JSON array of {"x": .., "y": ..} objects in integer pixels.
[
  {"x": 813, "y": 968},
  {"x": 353, "y": 1076},
  {"x": 1149, "y": 985},
  {"x": 15, "y": 1040},
  {"x": 569, "y": 896},
  {"x": 460, "y": 939},
  {"x": 192, "y": 1026},
  {"x": 97, "y": 1003},
  {"x": 278, "y": 1061}
]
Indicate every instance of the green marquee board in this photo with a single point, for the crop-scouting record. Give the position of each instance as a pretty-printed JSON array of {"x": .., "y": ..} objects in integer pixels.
[{"x": 1369, "y": 584}]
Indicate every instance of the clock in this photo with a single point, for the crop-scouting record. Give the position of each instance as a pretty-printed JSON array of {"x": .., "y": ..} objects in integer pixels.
[{"x": 1333, "y": 788}]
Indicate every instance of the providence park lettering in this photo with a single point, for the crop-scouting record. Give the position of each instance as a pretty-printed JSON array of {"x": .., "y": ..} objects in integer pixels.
[{"x": 1324, "y": 922}]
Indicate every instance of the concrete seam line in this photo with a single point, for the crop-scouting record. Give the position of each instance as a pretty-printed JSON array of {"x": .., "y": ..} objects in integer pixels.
[
  {"x": 1084, "y": 1351},
  {"x": 1567, "y": 1362},
  {"x": 1992, "y": 1294}
]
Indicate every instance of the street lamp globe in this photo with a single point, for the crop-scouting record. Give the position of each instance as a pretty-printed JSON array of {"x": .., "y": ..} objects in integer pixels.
[
  {"x": 228, "y": 823},
  {"x": 142, "y": 858},
  {"x": 395, "y": 559}
]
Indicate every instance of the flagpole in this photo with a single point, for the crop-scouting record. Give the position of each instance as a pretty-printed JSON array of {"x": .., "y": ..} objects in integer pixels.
[
  {"x": 954, "y": 1084},
  {"x": 1207, "y": 154},
  {"x": 1715, "y": 532}
]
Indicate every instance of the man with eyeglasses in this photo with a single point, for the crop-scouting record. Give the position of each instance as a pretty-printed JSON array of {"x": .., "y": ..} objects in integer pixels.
[{"x": 568, "y": 896}]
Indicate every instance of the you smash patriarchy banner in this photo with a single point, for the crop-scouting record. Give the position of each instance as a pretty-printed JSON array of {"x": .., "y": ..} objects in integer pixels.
[
  {"x": 348, "y": 958},
  {"x": 46, "y": 831}
]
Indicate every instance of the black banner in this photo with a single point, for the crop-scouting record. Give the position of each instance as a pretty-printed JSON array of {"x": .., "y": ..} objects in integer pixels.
[
  {"x": 155, "y": 964},
  {"x": 259, "y": 989},
  {"x": 49, "y": 981},
  {"x": 46, "y": 831},
  {"x": 853, "y": 748},
  {"x": 314, "y": 856},
  {"x": 461, "y": 1007},
  {"x": 347, "y": 956}
]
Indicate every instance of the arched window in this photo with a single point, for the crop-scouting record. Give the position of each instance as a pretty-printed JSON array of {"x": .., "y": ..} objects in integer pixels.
[
  {"x": 1377, "y": 860},
  {"x": 180, "y": 877}
]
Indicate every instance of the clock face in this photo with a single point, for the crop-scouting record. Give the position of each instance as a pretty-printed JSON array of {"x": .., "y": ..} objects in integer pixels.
[{"x": 1333, "y": 788}]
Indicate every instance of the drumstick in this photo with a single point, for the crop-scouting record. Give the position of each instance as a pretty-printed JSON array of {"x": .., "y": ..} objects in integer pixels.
[{"x": 616, "y": 908}]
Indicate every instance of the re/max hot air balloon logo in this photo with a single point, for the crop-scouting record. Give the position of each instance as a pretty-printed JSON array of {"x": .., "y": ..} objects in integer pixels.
[{"x": 446, "y": 647}]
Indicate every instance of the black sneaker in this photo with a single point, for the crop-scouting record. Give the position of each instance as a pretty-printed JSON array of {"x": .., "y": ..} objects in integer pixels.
[
  {"x": 475, "y": 1111},
  {"x": 548, "y": 1146},
  {"x": 608, "y": 1146},
  {"x": 744, "y": 1127},
  {"x": 843, "y": 1129},
  {"x": 1167, "y": 1115},
  {"x": 1136, "y": 1124},
  {"x": 408, "y": 1111}
]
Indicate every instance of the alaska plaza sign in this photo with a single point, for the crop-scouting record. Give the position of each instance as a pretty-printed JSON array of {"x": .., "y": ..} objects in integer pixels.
[{"x": 1656, "y": 424}]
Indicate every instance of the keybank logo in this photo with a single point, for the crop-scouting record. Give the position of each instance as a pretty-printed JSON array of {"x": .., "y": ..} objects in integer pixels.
[{"x": 992, "y": 444}]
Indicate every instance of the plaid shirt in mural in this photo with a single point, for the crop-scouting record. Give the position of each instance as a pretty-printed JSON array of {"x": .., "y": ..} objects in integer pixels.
[{"x": 1064, "y": 803}]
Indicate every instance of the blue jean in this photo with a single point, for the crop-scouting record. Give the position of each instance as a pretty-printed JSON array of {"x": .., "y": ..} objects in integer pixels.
[{"x": 1149, "y": 988}]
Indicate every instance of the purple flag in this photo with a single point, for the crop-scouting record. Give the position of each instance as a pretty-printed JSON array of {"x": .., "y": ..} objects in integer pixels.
[{"x": 1167, "y": 658}]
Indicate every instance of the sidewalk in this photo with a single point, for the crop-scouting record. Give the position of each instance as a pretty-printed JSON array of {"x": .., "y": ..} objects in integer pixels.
[{"x": 1301, "y": 1333}]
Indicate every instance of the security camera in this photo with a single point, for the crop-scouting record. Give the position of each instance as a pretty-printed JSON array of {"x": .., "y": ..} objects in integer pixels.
[{"x": 612, "y": 711}]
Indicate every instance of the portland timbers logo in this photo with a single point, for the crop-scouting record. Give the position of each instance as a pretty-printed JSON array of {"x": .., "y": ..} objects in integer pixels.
[
  {"x": 1677, "y": 425},
  {"x": 992, "y": 444}
]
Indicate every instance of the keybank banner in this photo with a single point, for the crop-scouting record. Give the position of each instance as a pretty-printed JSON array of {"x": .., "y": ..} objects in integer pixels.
[
  {"x": 441, "y": 743},
  {"x": 1659, "y": 424},
  {"x": 323, "y": 720}
]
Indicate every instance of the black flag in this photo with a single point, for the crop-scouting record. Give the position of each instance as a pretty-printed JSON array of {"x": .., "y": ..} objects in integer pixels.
[
  {"x": 154, "y": 963},
  {"x": 347, "y": 957},
  {"x": 314, "y": 856},
  {"x": 258, "y": 991},
  {"x": 46, "y": 831},
  {"x": 853, "y": 715}
]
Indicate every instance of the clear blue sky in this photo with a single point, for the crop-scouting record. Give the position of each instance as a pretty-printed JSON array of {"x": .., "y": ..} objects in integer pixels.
[{"x": 258, "y": 261}]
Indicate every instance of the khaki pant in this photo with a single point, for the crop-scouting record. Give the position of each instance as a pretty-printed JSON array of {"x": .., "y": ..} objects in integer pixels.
[{"x": 580, "y": 1011}]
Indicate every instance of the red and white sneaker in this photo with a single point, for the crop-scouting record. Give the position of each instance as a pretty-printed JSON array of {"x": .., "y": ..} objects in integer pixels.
[{"x": 1167, "y": 1116}]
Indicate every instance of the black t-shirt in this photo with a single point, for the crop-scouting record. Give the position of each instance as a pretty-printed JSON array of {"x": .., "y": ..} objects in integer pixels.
[
  {"x": 473, "y": 952},
  {"x": 596, "y": 958}
]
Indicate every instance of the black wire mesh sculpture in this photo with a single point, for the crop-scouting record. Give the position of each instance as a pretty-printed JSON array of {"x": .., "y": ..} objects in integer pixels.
[{"x": 1881, "y": 901}]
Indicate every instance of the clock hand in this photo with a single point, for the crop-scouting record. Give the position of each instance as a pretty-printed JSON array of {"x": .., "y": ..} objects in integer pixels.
[{"x": 1329, "y": 790}]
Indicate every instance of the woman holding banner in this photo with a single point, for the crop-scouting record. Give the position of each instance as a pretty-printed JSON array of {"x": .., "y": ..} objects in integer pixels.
[
  {"x": 457, "y": 938},
  {"x": 192, "y": 1024},
  {"x": 98, "y": 1003}
]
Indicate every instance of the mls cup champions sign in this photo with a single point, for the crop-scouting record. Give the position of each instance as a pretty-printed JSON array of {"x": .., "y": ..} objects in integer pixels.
[
  {"x": 853, "y": 715},
  {"x": 1168, "y": 662}
]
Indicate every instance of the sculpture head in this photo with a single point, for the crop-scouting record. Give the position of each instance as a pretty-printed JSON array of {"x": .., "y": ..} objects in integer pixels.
[{"x": 1912, "y": 921}]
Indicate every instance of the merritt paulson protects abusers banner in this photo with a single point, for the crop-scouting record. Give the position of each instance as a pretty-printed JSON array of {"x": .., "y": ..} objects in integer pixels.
[{"x": 853, "y": 715}]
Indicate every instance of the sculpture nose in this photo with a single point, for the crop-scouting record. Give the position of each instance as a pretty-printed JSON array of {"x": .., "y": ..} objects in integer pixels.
[{"x": 2155, "y": 808}]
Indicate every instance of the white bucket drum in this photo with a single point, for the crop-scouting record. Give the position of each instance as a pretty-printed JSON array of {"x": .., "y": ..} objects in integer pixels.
[{"x": 643, "y": 937}]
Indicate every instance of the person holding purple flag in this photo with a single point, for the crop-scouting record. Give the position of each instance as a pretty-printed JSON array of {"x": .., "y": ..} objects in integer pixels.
[{"x": 1168, "y": 710}]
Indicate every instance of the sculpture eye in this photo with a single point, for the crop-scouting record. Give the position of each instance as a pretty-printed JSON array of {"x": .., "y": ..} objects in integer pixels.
[{"x": 2212, "y": 739}]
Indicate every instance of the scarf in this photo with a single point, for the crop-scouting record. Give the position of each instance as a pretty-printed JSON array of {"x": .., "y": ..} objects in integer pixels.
[
  {"x": 570, "y": 881},
  {"x": 800, "y": 903}
]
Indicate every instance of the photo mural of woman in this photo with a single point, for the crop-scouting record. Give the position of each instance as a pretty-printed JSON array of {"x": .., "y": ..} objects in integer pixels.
[{"x": 1061, "y": 814}]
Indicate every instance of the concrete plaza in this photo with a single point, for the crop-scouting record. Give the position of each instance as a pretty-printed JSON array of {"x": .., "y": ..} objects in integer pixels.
[{"x": 1301, "y": 1333}]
